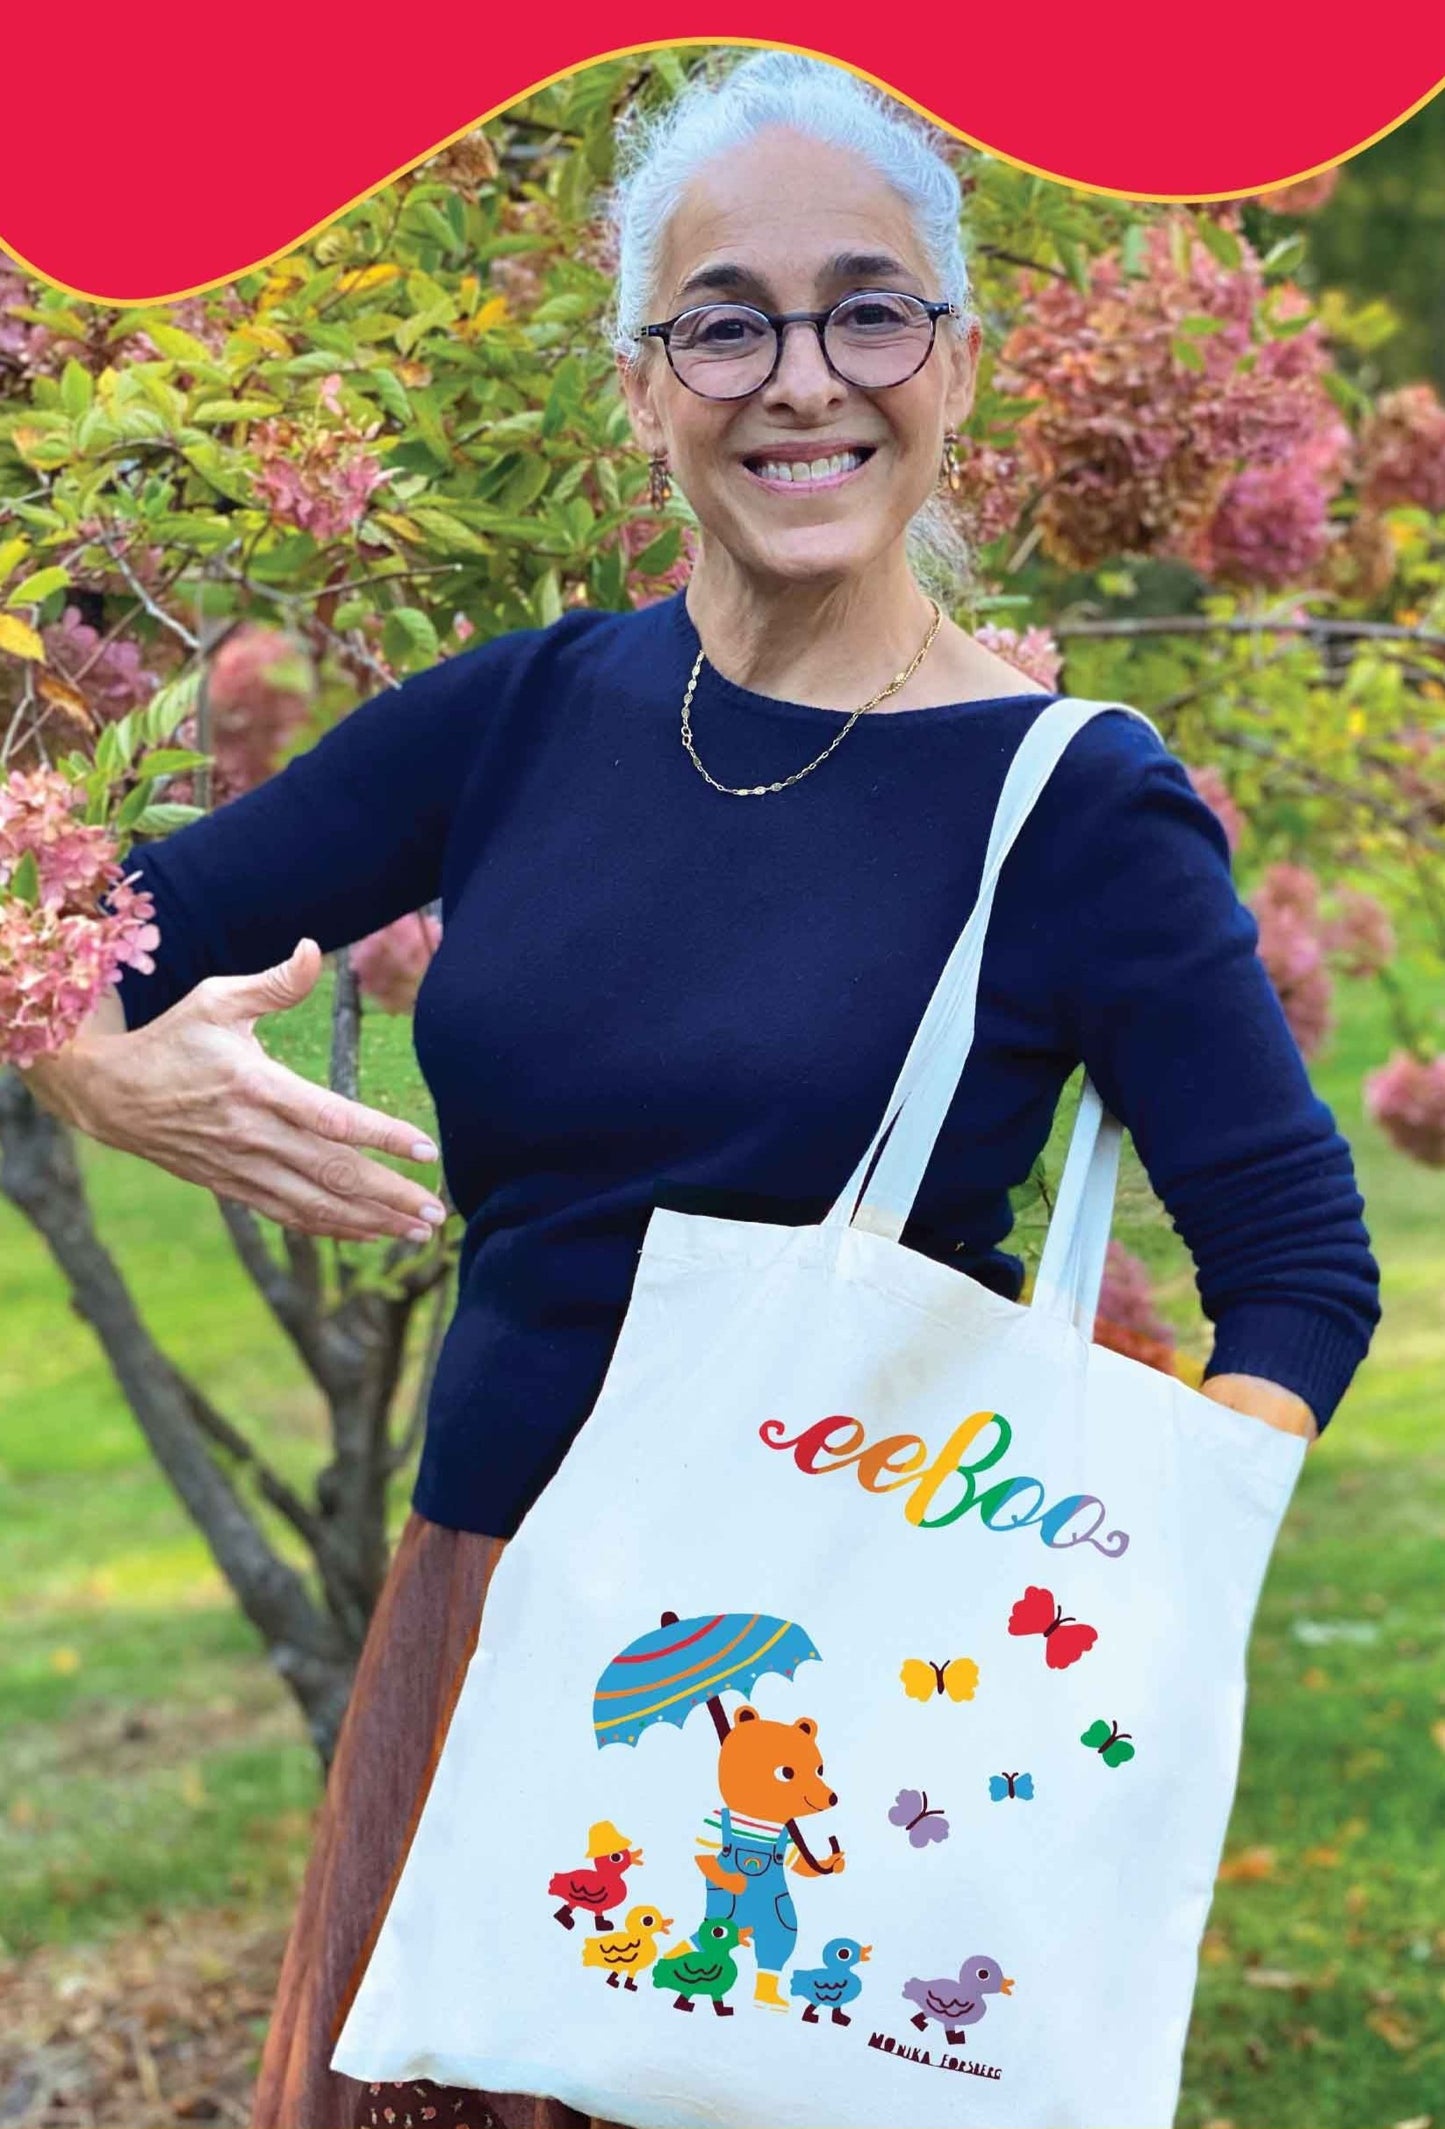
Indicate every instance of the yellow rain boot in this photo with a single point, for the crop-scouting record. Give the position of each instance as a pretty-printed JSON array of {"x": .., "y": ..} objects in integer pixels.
[{"x": 765, "y": 1992}]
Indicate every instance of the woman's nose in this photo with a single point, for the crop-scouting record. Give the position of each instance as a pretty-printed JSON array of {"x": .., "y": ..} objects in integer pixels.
[{"x": 802, "y": 371}]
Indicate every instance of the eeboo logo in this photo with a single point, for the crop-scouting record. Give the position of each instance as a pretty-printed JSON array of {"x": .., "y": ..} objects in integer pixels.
[{"x": 903, "y": 1463}]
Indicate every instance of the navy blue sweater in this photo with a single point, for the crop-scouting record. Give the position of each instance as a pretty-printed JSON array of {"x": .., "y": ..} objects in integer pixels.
[{"x": 651, "y": 993}]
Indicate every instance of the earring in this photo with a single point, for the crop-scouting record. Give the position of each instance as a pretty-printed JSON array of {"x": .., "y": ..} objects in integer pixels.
[
  {"x": 659, "y": 480},
  {"x": 949, "y": 473}
]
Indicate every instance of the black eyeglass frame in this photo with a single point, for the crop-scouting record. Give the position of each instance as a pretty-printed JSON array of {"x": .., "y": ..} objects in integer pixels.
[{"x": 818, "y": 319}]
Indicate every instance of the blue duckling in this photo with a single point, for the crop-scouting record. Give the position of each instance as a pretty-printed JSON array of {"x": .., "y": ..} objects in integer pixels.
[{"x": 836, "y": 1982}]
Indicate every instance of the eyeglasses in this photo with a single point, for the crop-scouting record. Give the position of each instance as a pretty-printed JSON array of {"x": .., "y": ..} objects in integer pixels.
[{"x": 874, "y": 338}]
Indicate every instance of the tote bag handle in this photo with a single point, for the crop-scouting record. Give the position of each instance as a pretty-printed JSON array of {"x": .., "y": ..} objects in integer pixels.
[{"x": 1072, "y": 1264}]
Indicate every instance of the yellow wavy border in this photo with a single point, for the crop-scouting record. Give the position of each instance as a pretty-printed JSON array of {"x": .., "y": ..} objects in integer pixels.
[{"x": 657, "y": 44}]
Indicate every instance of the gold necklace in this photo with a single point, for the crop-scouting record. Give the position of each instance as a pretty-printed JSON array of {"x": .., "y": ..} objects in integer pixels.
[{"x": 759, "y": 790}]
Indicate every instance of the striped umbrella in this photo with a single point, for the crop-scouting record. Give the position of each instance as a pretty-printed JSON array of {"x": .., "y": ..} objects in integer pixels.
[{"x": 685, "y": 1663}]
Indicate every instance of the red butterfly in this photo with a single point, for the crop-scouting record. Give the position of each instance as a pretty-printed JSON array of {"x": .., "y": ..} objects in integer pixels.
[{"x": 1065, "y": 1641}]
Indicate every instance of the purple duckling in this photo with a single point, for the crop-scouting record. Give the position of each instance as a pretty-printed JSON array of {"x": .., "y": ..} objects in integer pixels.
[{"x": 957, "y": 2004}]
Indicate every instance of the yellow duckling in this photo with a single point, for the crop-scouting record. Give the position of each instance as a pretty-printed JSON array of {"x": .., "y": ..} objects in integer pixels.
[{"x": 623, "y": 1953}]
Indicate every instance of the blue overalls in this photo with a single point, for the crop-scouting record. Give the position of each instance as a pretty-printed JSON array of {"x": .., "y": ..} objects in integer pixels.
[{"x": 765, "y": 1905}]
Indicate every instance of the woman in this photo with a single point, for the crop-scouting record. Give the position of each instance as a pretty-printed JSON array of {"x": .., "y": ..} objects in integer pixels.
[{"x": 652, "y": 956}]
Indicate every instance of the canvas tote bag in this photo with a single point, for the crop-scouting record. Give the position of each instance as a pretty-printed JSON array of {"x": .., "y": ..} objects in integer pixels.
[{"x": 856, "y": 1715}]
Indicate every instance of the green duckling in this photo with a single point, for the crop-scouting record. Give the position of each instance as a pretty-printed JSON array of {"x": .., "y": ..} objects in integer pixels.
[{"x": 705, "y": 1967}]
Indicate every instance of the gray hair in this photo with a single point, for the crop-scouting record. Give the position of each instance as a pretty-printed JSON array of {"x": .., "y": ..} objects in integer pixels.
[{"x": 659, "y": 153}]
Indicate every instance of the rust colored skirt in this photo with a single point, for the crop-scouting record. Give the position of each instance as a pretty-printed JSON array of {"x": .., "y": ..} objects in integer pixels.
[{"x": 411, "y": 1672}]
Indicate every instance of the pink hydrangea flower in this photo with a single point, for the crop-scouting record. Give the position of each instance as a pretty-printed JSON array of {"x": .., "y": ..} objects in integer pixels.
[
  {"x": 1126, "y": 1296},
  {"x": 391, "y": 963},
  {"x": 1304, "y": 196},
  {"x": 1034, "y": 652},
  {"x": 1406, "y": 1098},
  {"x": 1127, "y": 1320},
  {"x": 1272, "y": 526},
  {"x": 114, "y": 681},
  {"x": 261, "y": 686},
  {"x": 992, "y": 489},
  {"x": 1139, "y": 422},
  {"x": 1292, "y": 948},
  {"x": 1402, "y": 451},
  {"x": 1420, "y": 779},
  {"x": 1210, "y": 784},
  {"x": 1360, "y": 937},
  {"x": 317, "y": 481},
  {"x": 59, "y": 952}
]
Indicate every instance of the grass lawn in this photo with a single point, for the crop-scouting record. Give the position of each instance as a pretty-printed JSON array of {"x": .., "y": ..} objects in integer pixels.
[{"x": 151, "y": 1762}]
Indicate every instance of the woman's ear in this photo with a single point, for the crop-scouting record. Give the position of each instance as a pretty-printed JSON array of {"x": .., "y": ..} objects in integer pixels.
[
  {"x": 637, "y": 396},
  {"x": 963, "y": 351}
]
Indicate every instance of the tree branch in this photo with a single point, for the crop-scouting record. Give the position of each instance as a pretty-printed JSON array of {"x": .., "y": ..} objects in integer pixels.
[
  {"x": 272, "y": 1487},
  {"x": 1251, "y": 625},
  {"x": 39, "y": 1174},
  {"x": 401, "y": 1450},
  {"x": 296, "y": 1307}
]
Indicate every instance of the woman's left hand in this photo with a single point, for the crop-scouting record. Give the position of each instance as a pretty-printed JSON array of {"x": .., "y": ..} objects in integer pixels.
[{"x": 1266, "y": 1400}]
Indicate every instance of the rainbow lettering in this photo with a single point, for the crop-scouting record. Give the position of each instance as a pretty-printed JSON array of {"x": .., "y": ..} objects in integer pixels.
[{"x": 897, "y": 1462}]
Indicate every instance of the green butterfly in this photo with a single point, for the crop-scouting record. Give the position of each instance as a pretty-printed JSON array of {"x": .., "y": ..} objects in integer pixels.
[{"x": 1109, "y": 1741}]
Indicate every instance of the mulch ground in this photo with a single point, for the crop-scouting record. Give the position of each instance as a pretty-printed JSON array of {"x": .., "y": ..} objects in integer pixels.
[{"x": 150, "y": 2028}]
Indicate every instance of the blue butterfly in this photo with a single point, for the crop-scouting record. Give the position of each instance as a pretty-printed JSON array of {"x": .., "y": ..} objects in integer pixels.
[{"x": 1002, "y": 1785}]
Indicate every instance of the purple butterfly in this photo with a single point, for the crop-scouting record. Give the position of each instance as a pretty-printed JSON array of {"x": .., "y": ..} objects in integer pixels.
[{"x": 922, "y": 1824}]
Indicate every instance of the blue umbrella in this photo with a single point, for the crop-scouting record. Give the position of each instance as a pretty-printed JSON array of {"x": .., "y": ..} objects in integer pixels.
[{"x": 685, "y": 1664}]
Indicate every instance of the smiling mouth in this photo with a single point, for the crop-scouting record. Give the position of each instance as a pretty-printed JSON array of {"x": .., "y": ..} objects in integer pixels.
[{"x": 824, "y": 472}]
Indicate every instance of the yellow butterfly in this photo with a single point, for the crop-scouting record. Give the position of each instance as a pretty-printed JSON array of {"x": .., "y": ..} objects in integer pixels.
[{"x": 921, "y": 1681}]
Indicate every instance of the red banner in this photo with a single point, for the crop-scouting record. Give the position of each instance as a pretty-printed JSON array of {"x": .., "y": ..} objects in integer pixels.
[{"x": 142, "y": 163}]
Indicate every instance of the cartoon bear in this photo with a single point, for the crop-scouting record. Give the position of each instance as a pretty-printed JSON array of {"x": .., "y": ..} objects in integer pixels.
[{"x": 770, "y": 1775}]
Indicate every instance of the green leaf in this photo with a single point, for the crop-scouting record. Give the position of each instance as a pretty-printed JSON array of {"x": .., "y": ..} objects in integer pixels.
[
  {"x": 172, "y": 761},
  {"x": 568, "y": 381},
  {"x": 1285, "y": 256},
  {"x": 607, "y": 580},
  {"x": 226, "y": 478},
  {"x": 25, "y": 880},
  {"x": 580, "y": 522},
  {"x": 526, "y": 484},
  {"x": 1074, "y": 262},
  {"x": 659, "y": 554},
  {"x": 127, "y": 732},
  {"x": 211, "y": 411},
  {"x": 425, "y": 215},
  {"x": 1179, "y": 247},
  {"x": 1220, "y": 242},
  {"x": 107, "y": 752},
  {"x": 1187, "y": 354},
  {"x": 563, "y": 309},
  {"x": 426, "y": 409},
  {"x": 446, "y": 533},
  {"x": 77, "y": 388},
  {"x": 39, "y": 585},
  {"x": 408, "y": 633},
  {"x": 1133, "y": 252},
  {"x": 170, "y": 706},
  {"x": 134, "y": 804},
  {"x": 1199, "y": 325},
  {"x": 1345, "y": 393},
  {"x": 547, "y": 599},
  {"x": 162, "y": 818},
  {"x": 391, "y": 392},
  {"x": 181, "y": 347},
  {"x": 429, "y": 296},
  {"x": 95, "y": 430}
]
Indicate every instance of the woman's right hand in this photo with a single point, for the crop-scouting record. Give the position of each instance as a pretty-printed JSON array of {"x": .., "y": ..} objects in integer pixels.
[{"x": 195, "y": 1092}]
